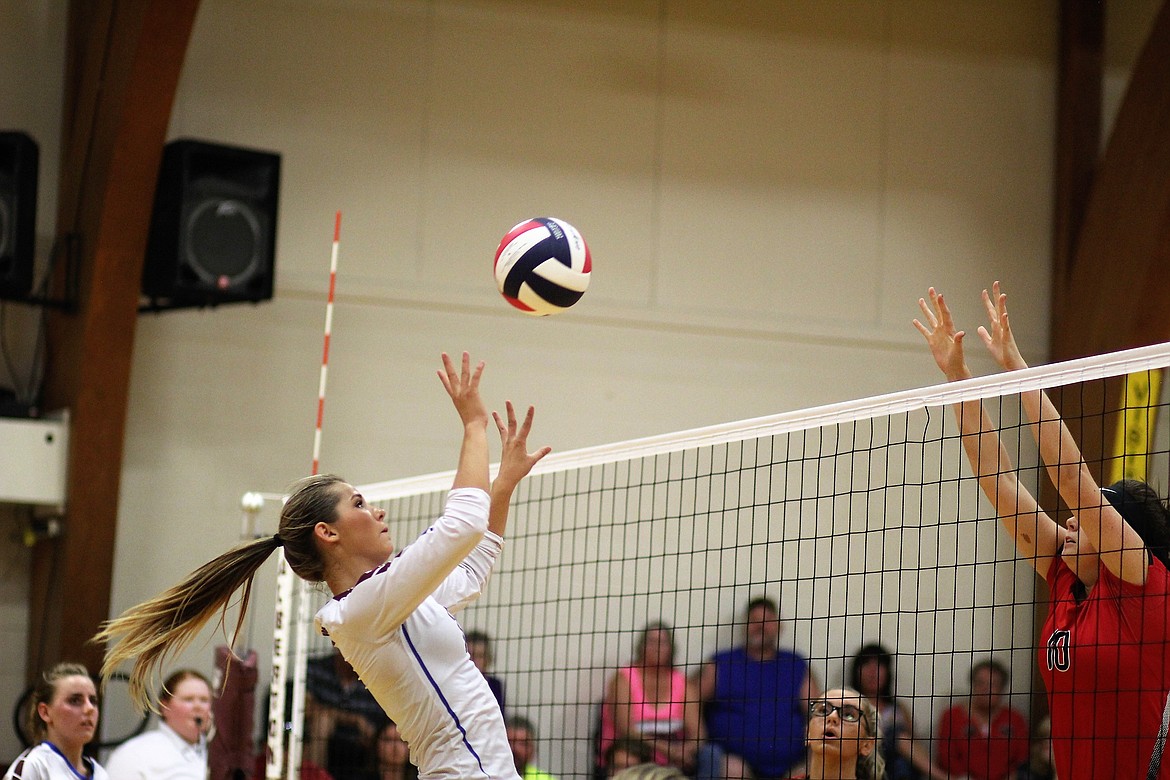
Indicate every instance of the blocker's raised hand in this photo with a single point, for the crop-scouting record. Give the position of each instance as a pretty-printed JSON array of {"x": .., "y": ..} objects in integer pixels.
[
  {"x": 946, "y": 343},
  {"x": 997, "y": 335}
]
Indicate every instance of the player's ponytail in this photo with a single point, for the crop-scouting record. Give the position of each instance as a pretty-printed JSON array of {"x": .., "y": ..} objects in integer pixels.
[
  {"x": 162, "y": 627},
  {"x": 155, "y": 630}
]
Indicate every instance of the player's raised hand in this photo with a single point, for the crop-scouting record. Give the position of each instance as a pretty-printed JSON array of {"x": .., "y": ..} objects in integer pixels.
[
  {"x": 463, "y": 387},
  {"x": 997, "y": 334},
  {"x": 515, "y": 459},
  {"x": 946, "y": 343}
]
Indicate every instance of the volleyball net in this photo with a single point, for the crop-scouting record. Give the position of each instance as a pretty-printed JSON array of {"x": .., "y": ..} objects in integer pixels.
[{"x": 861, "y": 520}]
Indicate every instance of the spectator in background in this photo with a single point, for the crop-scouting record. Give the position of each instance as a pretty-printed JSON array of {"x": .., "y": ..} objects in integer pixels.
[
  {"x": 393, "y": 755},
  {"x": 341, "y": 718},
  {"x": 522, "y": 738},
  {"x": 755, "y": 698},
  {"x": 479, "y": 647},
  {"x": 309, "y": 770},
  {"x": 985, "y": 738},
  {"x": 177, "y": 749},
  {"x": 62, "y": 721},
  {"x": 843, "y": 737},
  {"x": 1040, "y": 764},
  {"x": 625, "y": 752},
  {"x": 652, "y": 700},
  {"x": 872, "y": 674}
]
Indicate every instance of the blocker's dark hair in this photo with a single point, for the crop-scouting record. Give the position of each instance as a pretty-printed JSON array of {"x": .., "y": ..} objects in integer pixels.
[
  {"x": 1146, "y": 513},
  {"x": 155, "y": 630}
]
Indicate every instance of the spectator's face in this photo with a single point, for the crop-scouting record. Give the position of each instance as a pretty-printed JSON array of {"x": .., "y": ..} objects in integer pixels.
[
  {"x": 763, "y": 630},
  {"x": 986, "y": 688},
  {"x": 392, "y": 751},
  {"x": 657, "y": 649},
  {"x": 478, "y": 650},
  {"x": 523, "y": 748},
  {"x": 873, "y": 677},
  {"x": 188, "y": 711},
  {"x": 1042, "y": 745}
]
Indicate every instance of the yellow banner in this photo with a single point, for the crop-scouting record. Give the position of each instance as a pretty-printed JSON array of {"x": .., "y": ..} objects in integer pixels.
[{"x": 1136, "y": 426}]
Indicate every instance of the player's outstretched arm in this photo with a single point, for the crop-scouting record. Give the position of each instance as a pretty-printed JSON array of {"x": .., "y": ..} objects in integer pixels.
[
  {"x": 1121, "y": 548},
  {"x": 463, "y": 387},
  {"x": 515, "y": 463},
  {"x": 1035, "y": 534}
]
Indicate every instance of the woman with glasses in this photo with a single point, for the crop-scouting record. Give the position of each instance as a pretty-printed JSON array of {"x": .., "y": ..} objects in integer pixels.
[
  {"x": 843, "y": 738},
  {"x": 1105, "y": 645}
]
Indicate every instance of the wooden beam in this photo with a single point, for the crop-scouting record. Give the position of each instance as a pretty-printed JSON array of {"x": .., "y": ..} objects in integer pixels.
[
  {"x": 1115, "y": 296},
  {"x": 122, "y": 69},
  {"x": 1078, "y": 129}
]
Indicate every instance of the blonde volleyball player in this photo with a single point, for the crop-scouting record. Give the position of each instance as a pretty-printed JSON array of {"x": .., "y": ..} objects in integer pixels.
[
  {"x": 1105, "y": 646},
  {"x": 391, "y": 615},
  {"x": 63, "y": 720}
]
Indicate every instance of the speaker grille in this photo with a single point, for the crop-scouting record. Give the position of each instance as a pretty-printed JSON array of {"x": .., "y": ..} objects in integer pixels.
[
  {"x": 223, "y": 241},
  {"x": 19, "y": 159},
  {"x": 213, "y": 230}
]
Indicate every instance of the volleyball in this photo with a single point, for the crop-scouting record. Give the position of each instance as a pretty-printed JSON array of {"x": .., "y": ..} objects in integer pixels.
[{"x": 542, "y": 266}]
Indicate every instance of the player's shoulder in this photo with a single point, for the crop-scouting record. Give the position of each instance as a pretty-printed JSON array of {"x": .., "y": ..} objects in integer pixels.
[
  {"x": 16, "y": 768},
  {"x": 42, "y": 762}
]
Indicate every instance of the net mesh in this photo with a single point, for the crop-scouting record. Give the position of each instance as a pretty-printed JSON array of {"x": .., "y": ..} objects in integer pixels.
[{"x": 862, "y": 521}]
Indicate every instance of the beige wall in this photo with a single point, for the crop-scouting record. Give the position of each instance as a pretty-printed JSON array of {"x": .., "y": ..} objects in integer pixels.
[{"x": 766, "y": 188}]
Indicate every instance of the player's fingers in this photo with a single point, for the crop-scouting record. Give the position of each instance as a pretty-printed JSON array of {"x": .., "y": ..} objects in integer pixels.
[
  {"x": 927, "y": 312},
  {"x": 526, "y": 426},
  {"x": 944, "y": 312},
  {"x": 465, "y": 368}
]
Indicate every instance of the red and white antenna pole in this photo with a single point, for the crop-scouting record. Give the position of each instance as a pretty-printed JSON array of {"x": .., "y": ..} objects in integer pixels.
[
  {"x": 286, "y": 583},
  {"x": 325, "y": 351}
]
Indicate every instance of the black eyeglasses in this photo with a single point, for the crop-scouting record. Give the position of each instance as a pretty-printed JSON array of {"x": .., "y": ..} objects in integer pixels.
[{"x": 823, "y": 709}]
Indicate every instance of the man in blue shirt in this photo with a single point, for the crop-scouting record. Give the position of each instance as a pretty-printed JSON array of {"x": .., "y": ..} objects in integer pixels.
[{"x": 755, "y": 697}]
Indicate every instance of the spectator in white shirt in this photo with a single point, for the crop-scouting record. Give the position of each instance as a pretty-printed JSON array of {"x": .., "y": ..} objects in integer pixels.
[{"x": 177, "y": 749}]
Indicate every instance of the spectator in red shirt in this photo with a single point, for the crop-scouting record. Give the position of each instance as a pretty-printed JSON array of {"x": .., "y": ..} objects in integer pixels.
[{"x": 983, "y": 738}]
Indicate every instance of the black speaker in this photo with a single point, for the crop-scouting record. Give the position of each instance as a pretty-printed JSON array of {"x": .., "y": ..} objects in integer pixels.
[
  {"x": 19, "y": 159},
  {"x": 213, "y": 229}
]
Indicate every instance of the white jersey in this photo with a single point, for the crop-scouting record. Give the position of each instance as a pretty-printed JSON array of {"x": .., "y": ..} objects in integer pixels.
[
  {"x": 45, "y": 762},
  {"x": 395, "y": 627},
  {"x": 159, "y": 754}
]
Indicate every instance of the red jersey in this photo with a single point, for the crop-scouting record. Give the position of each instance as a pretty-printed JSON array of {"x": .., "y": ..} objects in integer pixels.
[
  {"x": 991, "y": 753},
  {"x": 1105, "y": 662}
]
